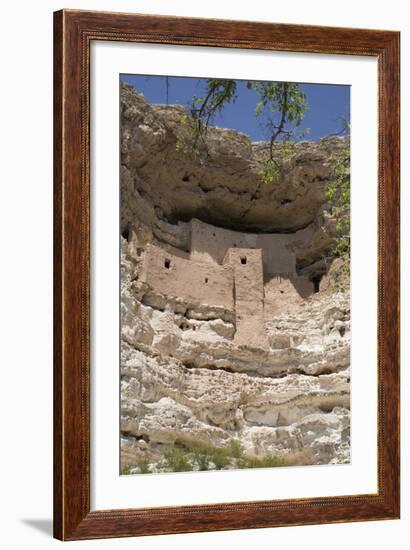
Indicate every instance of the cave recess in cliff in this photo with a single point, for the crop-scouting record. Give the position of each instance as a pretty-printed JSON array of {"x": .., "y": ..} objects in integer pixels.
[{"x": 225, "y": 337}]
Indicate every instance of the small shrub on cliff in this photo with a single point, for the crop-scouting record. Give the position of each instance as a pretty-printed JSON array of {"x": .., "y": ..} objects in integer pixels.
[
  {"x": 269, "y": 173},
  {"x": 338, "y": 195},
  {"x": 186, "y": 456},
  {"x": 126, "y": 469},
  {"x": 221, "y": 457},
  {"x": 200, "y": 453},
  {"x": 186, "y": 140},
  {"x": 143, "y": 466},
  {"x": 205, "y": 455},
  {"x": 263, "y": 462},
  {"x": 236, "y": 449},
  {"x": 176, "y": 459},
  {"x": 287, "y": 150}
]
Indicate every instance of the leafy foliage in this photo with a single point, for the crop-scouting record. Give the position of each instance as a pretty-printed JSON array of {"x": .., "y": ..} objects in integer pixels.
[
  {"x": 176, "y": 459},
  {"x": 280, "y": 108},
  {"x": 218, "y": 94},
  {"x": 269, "y": 173},
  {"x": 263, "y": 462},
  {"x": 288, "y": 149},
  {"x": 186, "y": 456},
  {"x": 338, "y": 194},
  {"x": 143, "y": 466},
  {"x": 236, "y": 448},
  {"x": 126, "y": 469},
  {"x": 204, "y": 456}
]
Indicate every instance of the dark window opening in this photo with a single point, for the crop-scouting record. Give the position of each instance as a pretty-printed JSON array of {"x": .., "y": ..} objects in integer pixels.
[
  {"x": 126, "y": 233},
  {"x": 234, "y": 244},
  {"x": 282, "y": 291},
  {"x": 167, "y": 263},
  {"x": 316, "y": 284},
  {"x": 243, "y": 260},
  {"x": 206, "y": 279},
  {"x": 213, "y": 234}
]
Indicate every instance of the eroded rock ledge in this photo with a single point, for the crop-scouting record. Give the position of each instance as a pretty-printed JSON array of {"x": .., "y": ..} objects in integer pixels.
[
  {"x": 185, "y": 375},
  {"x": 163, "y": 187}
]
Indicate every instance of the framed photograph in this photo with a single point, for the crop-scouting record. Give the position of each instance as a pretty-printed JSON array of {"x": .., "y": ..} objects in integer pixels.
[{"x": 226, "y": 275}]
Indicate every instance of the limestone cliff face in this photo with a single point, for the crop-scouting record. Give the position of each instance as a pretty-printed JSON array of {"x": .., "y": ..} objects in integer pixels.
[{"x": 210, "y": 353}]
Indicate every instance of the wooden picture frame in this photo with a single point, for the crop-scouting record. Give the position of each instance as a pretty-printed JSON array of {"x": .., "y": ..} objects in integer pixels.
[{"x": 74, "y": 32}]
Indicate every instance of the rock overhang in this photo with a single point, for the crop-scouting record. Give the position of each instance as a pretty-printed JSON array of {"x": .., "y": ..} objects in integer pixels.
[{"x": 223, "y": 187}]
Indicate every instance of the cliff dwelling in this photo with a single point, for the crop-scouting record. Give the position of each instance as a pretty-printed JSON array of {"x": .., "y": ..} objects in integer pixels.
[
  {"x": 246, "y": 274},
  {"x": 235, "y": 326}
]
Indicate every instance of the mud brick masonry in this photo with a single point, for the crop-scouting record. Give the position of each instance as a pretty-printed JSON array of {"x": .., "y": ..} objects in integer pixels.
[
  {"x": 245, "y": 274},
  {"x": 247, "y": 270}
]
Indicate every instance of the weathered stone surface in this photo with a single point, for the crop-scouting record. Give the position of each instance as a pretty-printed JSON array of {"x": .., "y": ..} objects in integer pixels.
[
  {"x": 194, "y": 282},
  {"x": 186, "y": 372},
  {"x": 162, "y": 187},
  {"x": 186, "y": 379}
]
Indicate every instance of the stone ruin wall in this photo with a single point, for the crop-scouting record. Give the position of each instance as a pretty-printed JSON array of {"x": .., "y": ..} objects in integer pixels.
[
  {"x": 281, "y": 284},
  {"x": 209, "y": 244},
  {"x": 250, "y": 276},
  {"x": 192, "y": 282},
  {"x": 284, "y": 292},
  {"x": 247, "y": 270}
]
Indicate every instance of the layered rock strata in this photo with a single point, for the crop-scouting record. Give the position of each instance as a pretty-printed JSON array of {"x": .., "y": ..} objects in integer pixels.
[{"x": 211, "y": 354}]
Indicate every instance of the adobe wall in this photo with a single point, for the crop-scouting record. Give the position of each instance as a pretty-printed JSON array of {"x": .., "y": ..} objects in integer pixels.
[
  {"x": 283, "y": 292},
  {"x": 209, "y": 244},
  {"x": 249, "y": 296},
  {"x": 191, "y": 281},
  {"x": 237, "y": 286}
]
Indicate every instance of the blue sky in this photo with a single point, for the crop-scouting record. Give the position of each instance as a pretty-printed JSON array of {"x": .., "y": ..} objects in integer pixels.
[{"x": 327, "y": 102}]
